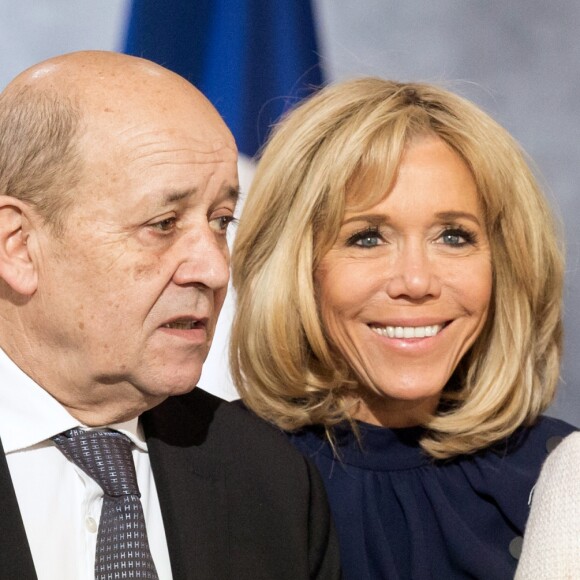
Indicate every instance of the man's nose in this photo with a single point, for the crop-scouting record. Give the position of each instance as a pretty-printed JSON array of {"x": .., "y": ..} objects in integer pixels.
[
  {"x": 204, "y": 260},
  {"x": 413, "y": 274}
]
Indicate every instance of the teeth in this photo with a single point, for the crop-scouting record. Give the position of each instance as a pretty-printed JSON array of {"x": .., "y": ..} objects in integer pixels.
[
  {"x": 407, "y": 331},
  {"x": 182, "y": 325}
]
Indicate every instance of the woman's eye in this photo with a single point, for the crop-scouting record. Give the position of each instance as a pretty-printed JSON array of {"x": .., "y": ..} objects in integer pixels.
[
  {"x": 457, "y": 237},
  {"x": 366, "y": 239}
]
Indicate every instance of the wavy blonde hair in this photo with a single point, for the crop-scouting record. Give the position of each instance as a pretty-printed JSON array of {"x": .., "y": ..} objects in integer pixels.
[{"x": 282, "y": 362}]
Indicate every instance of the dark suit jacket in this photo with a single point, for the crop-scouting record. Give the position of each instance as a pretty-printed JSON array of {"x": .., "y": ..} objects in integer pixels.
[{"x": 237, "y": 501}]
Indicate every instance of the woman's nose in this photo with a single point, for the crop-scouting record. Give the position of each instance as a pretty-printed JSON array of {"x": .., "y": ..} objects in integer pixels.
[{"x": 413, "y": 273}]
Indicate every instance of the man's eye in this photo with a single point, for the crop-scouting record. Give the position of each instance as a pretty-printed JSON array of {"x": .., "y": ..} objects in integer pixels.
[
  {"x": 221, "y": 223},
  {"x": 165, "y": 225}
]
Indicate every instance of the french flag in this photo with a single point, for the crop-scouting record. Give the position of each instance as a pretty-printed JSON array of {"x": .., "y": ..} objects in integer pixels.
[{"x": 253, "y": 59}]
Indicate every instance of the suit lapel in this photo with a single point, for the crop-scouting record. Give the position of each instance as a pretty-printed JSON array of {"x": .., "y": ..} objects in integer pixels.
[
  {"x": 191, "y": 486},
  {"x": 15, "y": 556}
]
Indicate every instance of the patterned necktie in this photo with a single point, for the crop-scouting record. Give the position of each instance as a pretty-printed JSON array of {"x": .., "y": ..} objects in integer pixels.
[{"x": 122, "y": 545}]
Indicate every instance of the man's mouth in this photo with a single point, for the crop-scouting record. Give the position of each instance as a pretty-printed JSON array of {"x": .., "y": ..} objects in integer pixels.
[
  {"x": 408, "y": 331},
  {"x": 185, "y": 324}
]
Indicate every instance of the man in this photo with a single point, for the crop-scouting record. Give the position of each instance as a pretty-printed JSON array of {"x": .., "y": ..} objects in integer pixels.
[{"x": 117, "y": 184}]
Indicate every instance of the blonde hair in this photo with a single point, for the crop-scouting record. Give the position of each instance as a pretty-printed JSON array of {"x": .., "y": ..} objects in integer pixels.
[{"x": 282, "y": 361}]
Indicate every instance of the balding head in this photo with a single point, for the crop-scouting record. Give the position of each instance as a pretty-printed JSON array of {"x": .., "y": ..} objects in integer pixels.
[
  {"x": 55, "y": 113},
  {"x": 118, "y": 180}
]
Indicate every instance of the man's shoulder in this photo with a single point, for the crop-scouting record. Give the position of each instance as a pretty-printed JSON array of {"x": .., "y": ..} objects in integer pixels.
[
  {"x": 235, "y": 419},
  {"x": 229, "y": 428},
  {"x": 278, "y": 521}
]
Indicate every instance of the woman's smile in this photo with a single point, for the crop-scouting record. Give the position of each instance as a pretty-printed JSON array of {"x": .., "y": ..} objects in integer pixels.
[{"x": 405, "y": 289}]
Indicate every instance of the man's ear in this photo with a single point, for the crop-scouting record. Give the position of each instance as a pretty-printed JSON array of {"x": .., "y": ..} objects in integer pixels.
[{"x": 17, "y": 268}]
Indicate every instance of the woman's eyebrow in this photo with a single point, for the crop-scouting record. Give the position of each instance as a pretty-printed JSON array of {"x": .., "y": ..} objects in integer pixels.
[
  {"x": 454, "y": 215},
  {"x": 371, "y": 218}
]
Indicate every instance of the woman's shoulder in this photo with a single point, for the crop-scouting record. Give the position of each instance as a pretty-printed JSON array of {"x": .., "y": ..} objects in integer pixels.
[
  {"x": 526, "y": 449},
  {"x": 528, "y": 444},
  {"x": 542, "y": 437},
  {"x": 311, "y": 441},
  {"x": 552, "y": 427},
  {"x": 517, "y": 458},
  {"x": 508, "y": 470}
]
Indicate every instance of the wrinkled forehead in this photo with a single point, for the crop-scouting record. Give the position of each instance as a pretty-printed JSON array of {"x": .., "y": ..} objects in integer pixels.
[{"x": 152, "y": 123}]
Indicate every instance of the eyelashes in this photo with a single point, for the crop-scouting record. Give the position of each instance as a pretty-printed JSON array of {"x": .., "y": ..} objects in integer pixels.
[
  {"x": 367, "y": 238},
  {"x": 458, "y": 236},
  {"x": 450, "y": 235}
]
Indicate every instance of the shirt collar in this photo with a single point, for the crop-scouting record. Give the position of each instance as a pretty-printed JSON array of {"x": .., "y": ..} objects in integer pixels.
[
  {"x": 30, "y": 415},
  {"x": 133, "y": 430}
]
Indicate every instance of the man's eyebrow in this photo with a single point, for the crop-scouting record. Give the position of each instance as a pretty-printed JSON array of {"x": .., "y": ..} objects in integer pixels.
[
  {"x": 233, "y": 192},
  {"x": 175, "y": 196}
]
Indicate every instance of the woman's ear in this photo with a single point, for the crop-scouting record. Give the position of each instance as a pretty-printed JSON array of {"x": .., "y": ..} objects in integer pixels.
[{"x": 17, "y": 268}]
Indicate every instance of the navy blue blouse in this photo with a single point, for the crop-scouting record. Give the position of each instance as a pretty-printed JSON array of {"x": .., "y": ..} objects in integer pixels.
[{"x": 400, "y": 514}]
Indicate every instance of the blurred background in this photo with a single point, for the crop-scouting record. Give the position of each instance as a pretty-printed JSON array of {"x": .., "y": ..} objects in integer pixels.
[{"x": 519, "y": 60}]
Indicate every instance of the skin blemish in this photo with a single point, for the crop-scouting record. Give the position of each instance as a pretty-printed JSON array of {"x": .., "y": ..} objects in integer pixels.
[{"x": 145, "y": 271}]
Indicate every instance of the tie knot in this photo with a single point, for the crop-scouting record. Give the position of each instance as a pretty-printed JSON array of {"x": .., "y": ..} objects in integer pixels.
[{"x": 104, "y": 455}]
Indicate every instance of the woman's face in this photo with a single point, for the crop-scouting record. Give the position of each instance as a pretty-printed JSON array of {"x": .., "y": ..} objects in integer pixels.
[{"x": 405, "y": 290}]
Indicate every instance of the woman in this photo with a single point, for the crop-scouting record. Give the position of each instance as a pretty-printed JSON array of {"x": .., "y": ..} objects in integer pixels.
[
  {"x": 399, "y": 297},
  {"x": 552, "y": 541}
]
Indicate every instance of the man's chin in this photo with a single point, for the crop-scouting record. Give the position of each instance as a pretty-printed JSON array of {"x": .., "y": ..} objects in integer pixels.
[
  {"x": 174, "y": 388},
  {"x": 178, "y": 383}
]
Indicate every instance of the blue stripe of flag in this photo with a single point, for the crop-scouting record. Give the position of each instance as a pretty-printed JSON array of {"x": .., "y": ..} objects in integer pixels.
[{"x": 253, "y": 59}]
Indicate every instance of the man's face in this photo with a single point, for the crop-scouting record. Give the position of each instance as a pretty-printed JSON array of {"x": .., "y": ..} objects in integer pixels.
[{"x": 130, "y": 293}]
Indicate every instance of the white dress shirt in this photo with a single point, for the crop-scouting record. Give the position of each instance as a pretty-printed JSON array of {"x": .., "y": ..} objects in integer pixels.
[{"x": 60, "y": 504}]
